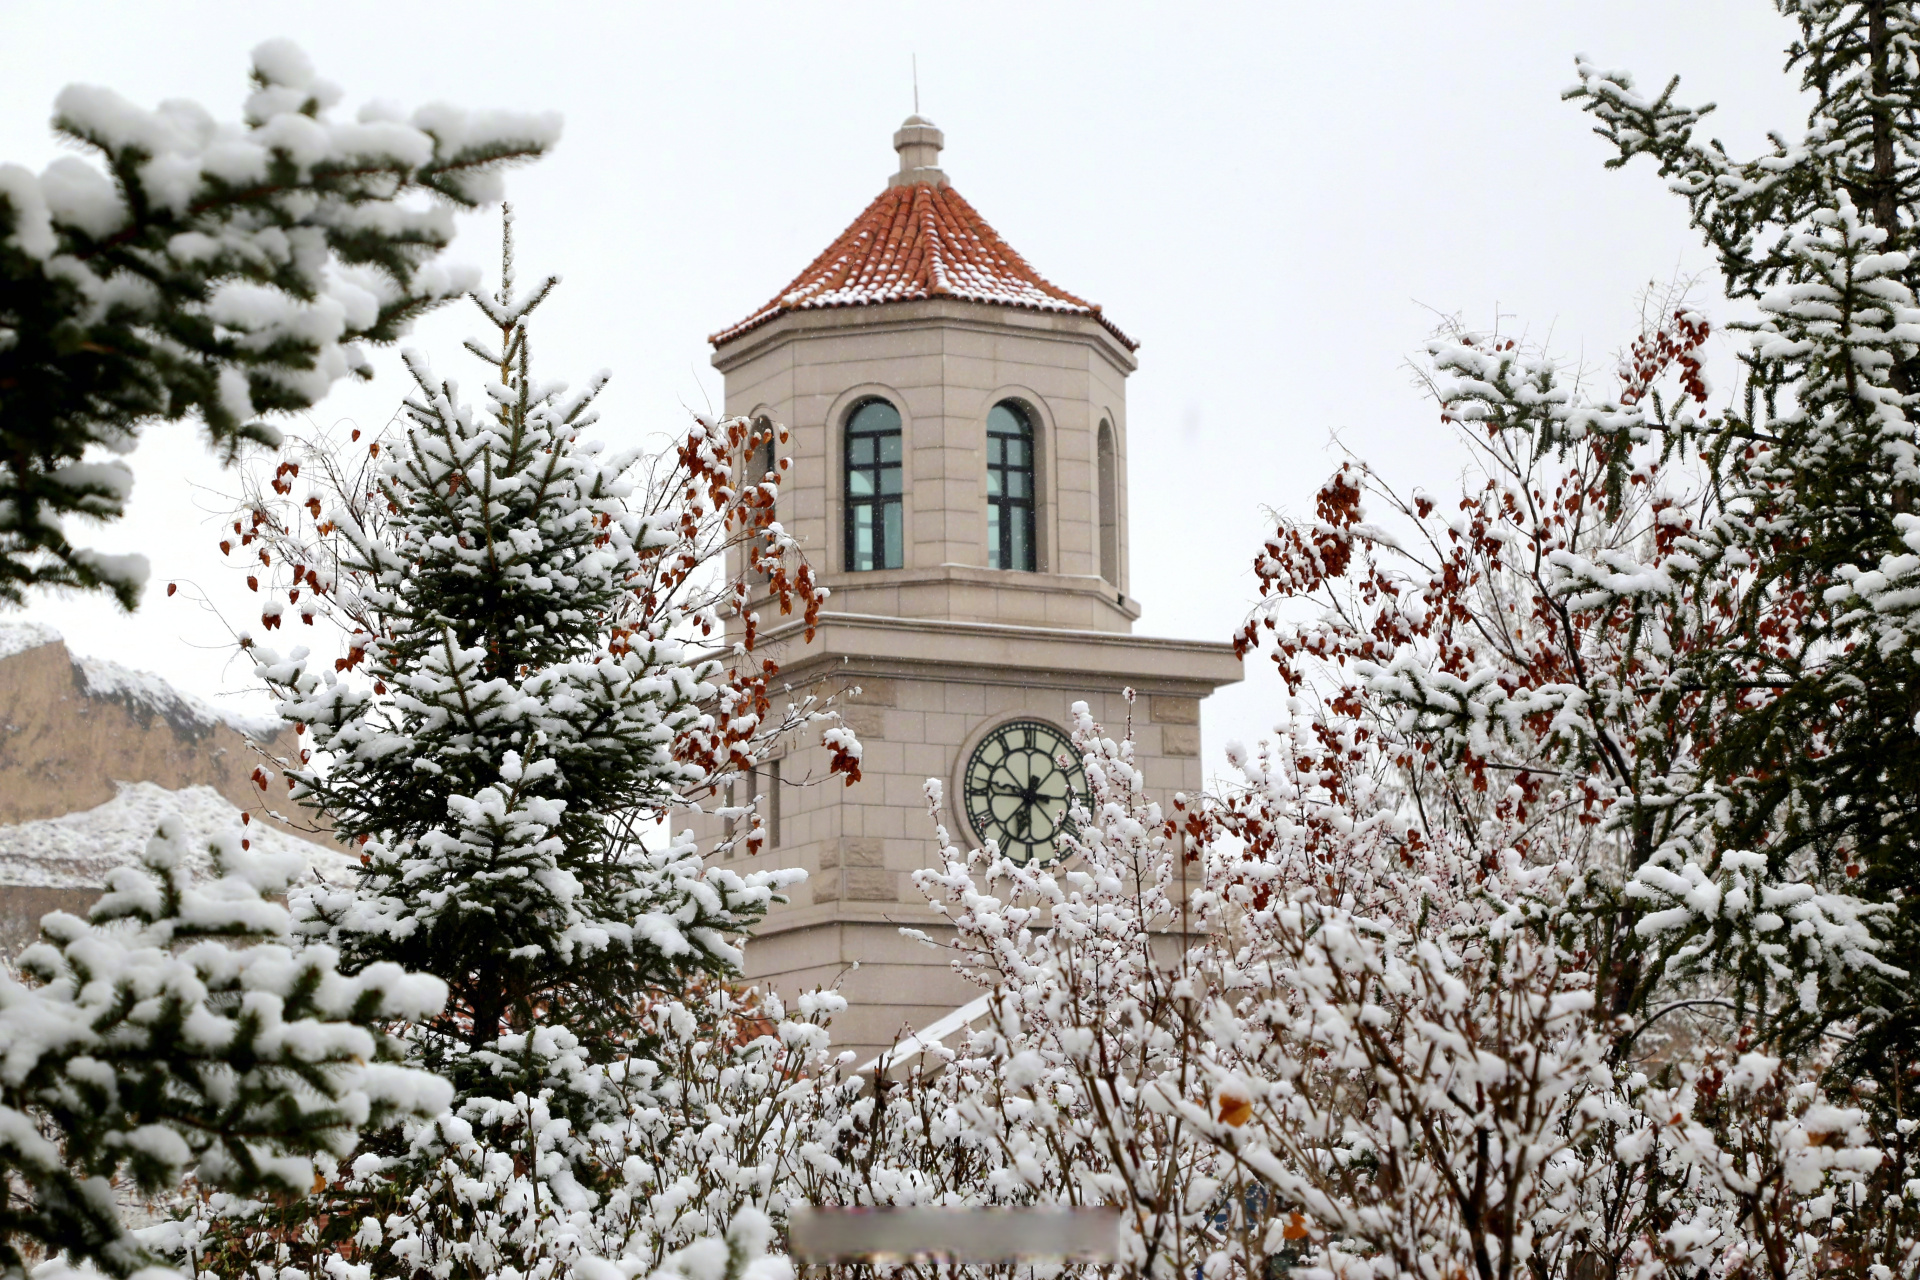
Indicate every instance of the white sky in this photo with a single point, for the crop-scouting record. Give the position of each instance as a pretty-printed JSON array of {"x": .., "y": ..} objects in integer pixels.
[{"x": 1276, "y": 199}]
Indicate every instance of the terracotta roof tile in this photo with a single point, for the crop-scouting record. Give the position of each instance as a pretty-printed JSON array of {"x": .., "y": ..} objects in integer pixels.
[{"x": 915, "y": 242}]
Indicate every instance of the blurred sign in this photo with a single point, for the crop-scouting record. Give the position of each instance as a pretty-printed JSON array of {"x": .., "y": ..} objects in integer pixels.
[{"x": 982, "y": 1236}]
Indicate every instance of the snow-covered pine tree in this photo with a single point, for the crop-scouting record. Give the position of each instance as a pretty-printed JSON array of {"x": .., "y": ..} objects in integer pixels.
[
  {"x": 225, "y": 270},
  {"x": 522, "y": 695},
  {"x": 1808, "y": 703},
  {"x": 143, "y": 1046}
]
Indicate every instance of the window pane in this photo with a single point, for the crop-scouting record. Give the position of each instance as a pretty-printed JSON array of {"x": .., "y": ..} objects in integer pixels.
[
  {"x": 863, "y": 537},
  {"x": 890, "y": 480},
  {"x": 894, "y": 559},
  {"x": 875, "y": 415},
  {"x": 860, "y": 484},
  {"x": 890, "y": 447},
  {"x": 1010, "y": 494},
  {"x": 860, "y": 451}
]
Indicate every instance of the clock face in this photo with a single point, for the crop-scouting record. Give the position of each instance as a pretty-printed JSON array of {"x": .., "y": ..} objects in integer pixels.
[{"x": 1019, "y": 784}]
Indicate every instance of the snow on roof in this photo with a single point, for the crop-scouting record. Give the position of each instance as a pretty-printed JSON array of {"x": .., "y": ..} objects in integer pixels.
[
  {"x": 914, "y": 242},
  {"x": 139, "y": 691},
  {"x": 76, "y": 850},
  {"x": 935, "y": 1032}
]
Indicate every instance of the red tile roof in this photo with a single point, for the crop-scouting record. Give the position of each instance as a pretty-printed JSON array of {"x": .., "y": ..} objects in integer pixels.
[{"x": 917, "y": 241}]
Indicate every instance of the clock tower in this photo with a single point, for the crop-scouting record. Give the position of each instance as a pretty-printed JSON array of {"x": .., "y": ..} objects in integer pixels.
[{"x": 957, "y": 475}]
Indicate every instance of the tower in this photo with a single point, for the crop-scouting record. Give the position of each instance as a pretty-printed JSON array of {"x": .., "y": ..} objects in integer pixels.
[{"x": 957, "y": 475}]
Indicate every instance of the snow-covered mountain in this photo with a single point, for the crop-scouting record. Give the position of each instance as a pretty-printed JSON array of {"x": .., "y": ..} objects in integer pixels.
[{"x": 93, "y": 754}]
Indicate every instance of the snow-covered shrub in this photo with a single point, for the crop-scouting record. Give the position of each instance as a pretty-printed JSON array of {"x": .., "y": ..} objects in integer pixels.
[
  {"x": 1057, "y": 1097},
  {"x": 690, "y": 1159},
  {"x": 223, "y": 270},
  {"x": 1291, "y": 1034},
  {"x": 1265, "y": 1051},
  {"x": 1401, "y": 1082},
  {"x": 143, "y": 1044}
]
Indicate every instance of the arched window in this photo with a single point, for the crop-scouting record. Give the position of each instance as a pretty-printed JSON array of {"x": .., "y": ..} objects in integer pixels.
[
  {"x": 763, "y": 459},
  {"x": 1009, "y": 488},
  {"x": 762, "y": 463},
  {"x": 762, "y": 468},
  {"x": 874, "y": 539},
  {"x": 1109, "y": 500}
]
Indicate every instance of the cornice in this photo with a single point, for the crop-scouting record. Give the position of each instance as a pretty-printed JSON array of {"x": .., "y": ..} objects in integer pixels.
[{"x": 923, "y": 313}]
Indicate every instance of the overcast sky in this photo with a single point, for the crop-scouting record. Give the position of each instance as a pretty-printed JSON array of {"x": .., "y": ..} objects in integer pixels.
[{"x": 1277, "y": 199}]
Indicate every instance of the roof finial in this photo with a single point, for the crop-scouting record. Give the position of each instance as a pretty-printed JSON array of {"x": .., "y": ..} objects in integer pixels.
[
  {"x": 916, "y": 84},
  {"x": 918, "y": 143}
]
